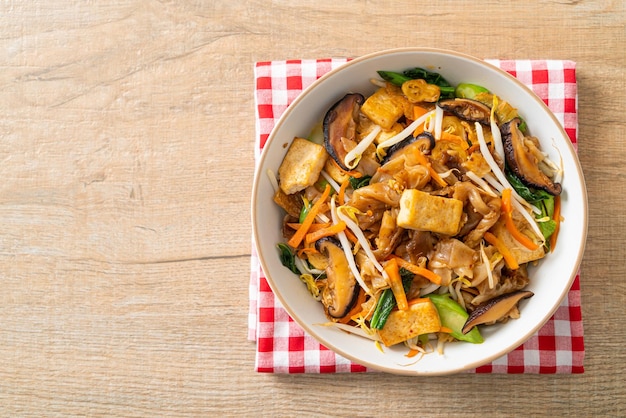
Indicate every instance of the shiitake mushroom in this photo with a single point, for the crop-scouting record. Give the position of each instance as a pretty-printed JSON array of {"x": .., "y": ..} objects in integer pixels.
[
  {"x": 494, "y": 309},
  {"x": 521, "y": 162},
  {"x": 339, "y": 126},
  {"x": 425, "y": 142},
  {"x": 467, "y": 109},
  {"x": 342, "y": 290}
]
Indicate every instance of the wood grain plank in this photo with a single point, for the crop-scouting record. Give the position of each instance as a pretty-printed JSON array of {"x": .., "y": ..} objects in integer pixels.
[{"x": 126, "y": 144}]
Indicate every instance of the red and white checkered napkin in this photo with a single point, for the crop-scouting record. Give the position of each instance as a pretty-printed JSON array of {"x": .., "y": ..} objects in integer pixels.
[{"x": 283, "y": 347}]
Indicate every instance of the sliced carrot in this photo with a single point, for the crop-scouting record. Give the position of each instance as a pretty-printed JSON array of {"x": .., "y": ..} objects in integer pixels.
[
  {"x": 351, "y": 237},
  {"x": 356, "y": 309},
  {"x": 309, "y": 219},
  {"x": 507, "y": 208},
  {"x": 473, "y": 148},
  {"x": 424, "y": 272},
  {"x": 418, "y": 112},
  {"x": 342, "y": 191},
  {"x": 395, "y": 281},
  {"x": 311, "y": 237},
  {"x": 421, "y": 158},
  {"x": 557, "y": 219},
  {"x": 412, "y": 353},
  {"x": 445, "y": 329},
  {"x": 503, "y": 249},
  {"x": 314, "y": 227},
  {"x": 306, "y": 250},
  {"x": 416, "y": 301}
]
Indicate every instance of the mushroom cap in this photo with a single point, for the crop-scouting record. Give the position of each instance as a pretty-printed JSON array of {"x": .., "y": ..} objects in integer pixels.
[
  {"x": 521, "y": 162},
  {"x": 467, "y": 109},
  {"x": 494, "y": 309},
  {"x": 339, "y": 127},
  {"x": 342, "y": 290}
]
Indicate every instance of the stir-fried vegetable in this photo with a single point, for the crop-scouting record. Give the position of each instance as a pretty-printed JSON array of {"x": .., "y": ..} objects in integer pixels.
[
  {"x": 287, "y": 258},
  {"x": 430, "y": 77},
  {"x": 453, "y": 317},
  {"x": 469, "y": 90},
  {"x": 507, "y": 209},
  {"x": 547, "y": 221},
  {"x": 428, "y": 207},
  {"x": 362, "y": 181},
  {"x": 387, "y": 301}
]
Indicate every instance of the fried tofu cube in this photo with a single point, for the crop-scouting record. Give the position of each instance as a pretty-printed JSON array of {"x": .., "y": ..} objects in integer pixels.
[
  {"x": 420, "y": 318},
  {"x": 291, "y": 203},
  {"x": 520, "y": 253},
  {"x": 383, "y": 108},
  {"x": 301, "y": 166},
  {"x": 424, "y": 212}
]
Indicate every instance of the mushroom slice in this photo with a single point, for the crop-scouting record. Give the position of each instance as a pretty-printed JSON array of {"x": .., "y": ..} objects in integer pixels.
[
  {"x": 522, "y": 162},
  {"x": 467, "y": 109},
  {"x": 342, "y": 290},
  {"x": 494, "y": 309},
  {"x": 425, "y": 142},
  {"x": 339, "y": 127}
]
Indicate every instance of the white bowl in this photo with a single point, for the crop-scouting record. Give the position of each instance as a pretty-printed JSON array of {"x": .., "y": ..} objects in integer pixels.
[{"x": 550, "y": 280}]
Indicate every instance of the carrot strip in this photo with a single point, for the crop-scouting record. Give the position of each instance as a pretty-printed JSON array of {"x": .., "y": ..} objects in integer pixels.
[
  {"x": 507, "y": 208},
  {"x": 412, "y": 353},
  {"x": 502, "y": 249},
  {"x": 314, "y": 227},
  {"x": 306, "y": 250},
  {"x": 351, "y": 237},
  {"x": 416, "y": 301},
  {"x": 342, "y": 191},
  {"x": 424, "y": 272},
  {"x": 473, "y": 148},
  {"x": 308, "y": 220},
  {"x": 357, "y": 309},
  {"x": 418, "y": 112},
  {"x": 421, "y": 158},
  {"x": 395, "y": 281},
  {"x": 324, "y": 232},
  {"x": 557, "y": 219},
  {"x": 445, "y": 329}
]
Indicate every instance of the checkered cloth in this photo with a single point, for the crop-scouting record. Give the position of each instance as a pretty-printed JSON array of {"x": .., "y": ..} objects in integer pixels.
[{"x": 283, "y": 347}]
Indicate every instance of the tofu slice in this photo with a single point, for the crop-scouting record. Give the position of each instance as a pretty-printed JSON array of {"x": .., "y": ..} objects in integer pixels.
[
  {"x": 301, "y": 166},
  {"x": 424, "y": 212},
  {"x": 383, "y": 109},
  {"x": 420, "y": 318}
]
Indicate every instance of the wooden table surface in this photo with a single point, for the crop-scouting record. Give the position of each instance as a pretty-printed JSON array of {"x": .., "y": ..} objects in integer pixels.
[{"x": 126, "y": 148}]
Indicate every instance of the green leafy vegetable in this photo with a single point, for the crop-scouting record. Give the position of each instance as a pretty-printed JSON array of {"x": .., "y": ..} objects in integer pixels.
[
  {"x": 287, "y": 257},
  {"x": 469, "y": 91},
  {"x": 407, "y": 278},
  {"x": 541, "y": 199},
  {"x": 447, "y": 90},
  {"x": 355, "y": 183},
  {"x": 306, "y": 207},
  {"x": 387, "y": 301},
  {"x": 393, "y": 77},
  {"x": 529, "y": 194},
  {"x": 453, "y": 316},
  {"x": 321, "y": 185}
]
